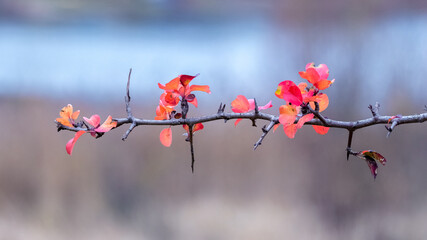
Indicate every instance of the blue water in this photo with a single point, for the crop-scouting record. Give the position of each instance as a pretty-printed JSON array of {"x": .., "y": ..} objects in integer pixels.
[{"x": 249, "y": 57}]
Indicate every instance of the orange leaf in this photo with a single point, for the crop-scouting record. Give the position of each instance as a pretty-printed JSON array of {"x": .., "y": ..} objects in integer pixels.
[
  {"x": 67, "y": 116},
  {"x": 290, "y": 130},
  {"x": 196, "y": 127},
  {"x": 170, "y": 99},
  {"x": 107, "y": 125},
  {"x": 172, "y": 85},
  {"x": 321, "y": 129},
  {"x": 240, "y": 104},
  {"x": 311, "y": 75},
  {"x": 288, "y": 114},
  {"x": 323, "y": 84},
  {"x": 166, "y": 137},
  {"x": 322, "y": 99},
  {"x": 194, "y": 102},
  {"x": 203, "y": 88}
]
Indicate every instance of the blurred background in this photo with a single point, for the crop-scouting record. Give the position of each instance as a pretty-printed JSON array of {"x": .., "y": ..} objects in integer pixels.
[{"x": 55, "y": 52}]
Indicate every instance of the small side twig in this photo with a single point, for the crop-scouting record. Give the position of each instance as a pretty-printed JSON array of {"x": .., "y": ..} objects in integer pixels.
[
  {"x": 221, "y": 108},
  {"x": 190, "y": 139},
  {"x": 375, "y": 109},
  {"x": 350, "y": 138},
  {"x": 129, "y": 110},
  {"x": 265, "y": 131},
  {"x": 390, "y": 129},
  {"x": 350, "y": 151},
  {"x": 318, "y": 115}
]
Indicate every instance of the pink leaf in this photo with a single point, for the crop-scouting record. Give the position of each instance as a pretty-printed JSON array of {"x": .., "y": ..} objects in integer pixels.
[
  {"x": 70, "y": 145},
  {"x": 94, "y": 120}
]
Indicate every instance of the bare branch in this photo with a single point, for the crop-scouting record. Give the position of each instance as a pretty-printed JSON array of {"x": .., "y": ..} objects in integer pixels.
[
  {"x": 265, "y": 131},
  {"x": 132, "y": 126},
  {"x": 190, "y": 139}
]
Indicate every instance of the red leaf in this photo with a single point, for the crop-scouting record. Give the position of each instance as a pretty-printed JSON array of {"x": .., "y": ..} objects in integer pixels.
[
  {"x": 321, "y": 129},
  {"x": 70, "y": 145},
  {"x": 290, "y": 92}
]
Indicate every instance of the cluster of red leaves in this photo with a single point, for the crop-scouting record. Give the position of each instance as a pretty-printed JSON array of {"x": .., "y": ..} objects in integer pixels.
[
  {"x": 301, "y": 96},
  {"x": 176, "y": 91},
  {"x": 68, "y": 118}
]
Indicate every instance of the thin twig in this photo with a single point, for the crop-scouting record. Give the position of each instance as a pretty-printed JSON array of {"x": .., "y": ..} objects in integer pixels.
[
  {"x": 190, "y": 139},
  {"x": 265, "y": 131},
  {"x": 128, "y": 110},
  {"x": 132, "y": 126},
  {"x": 318, "y": 115},
  {"x": 256, "y": 113},
  {"x": 350, "y": 138},
  {"x": 127, "y": 97},
  {"x": 391, "y": 128}
]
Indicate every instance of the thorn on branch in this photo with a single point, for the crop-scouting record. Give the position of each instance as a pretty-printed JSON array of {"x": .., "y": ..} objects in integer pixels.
[
  {"x": 375, "y": 109},
  {"x": 221, "y": 108}
]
